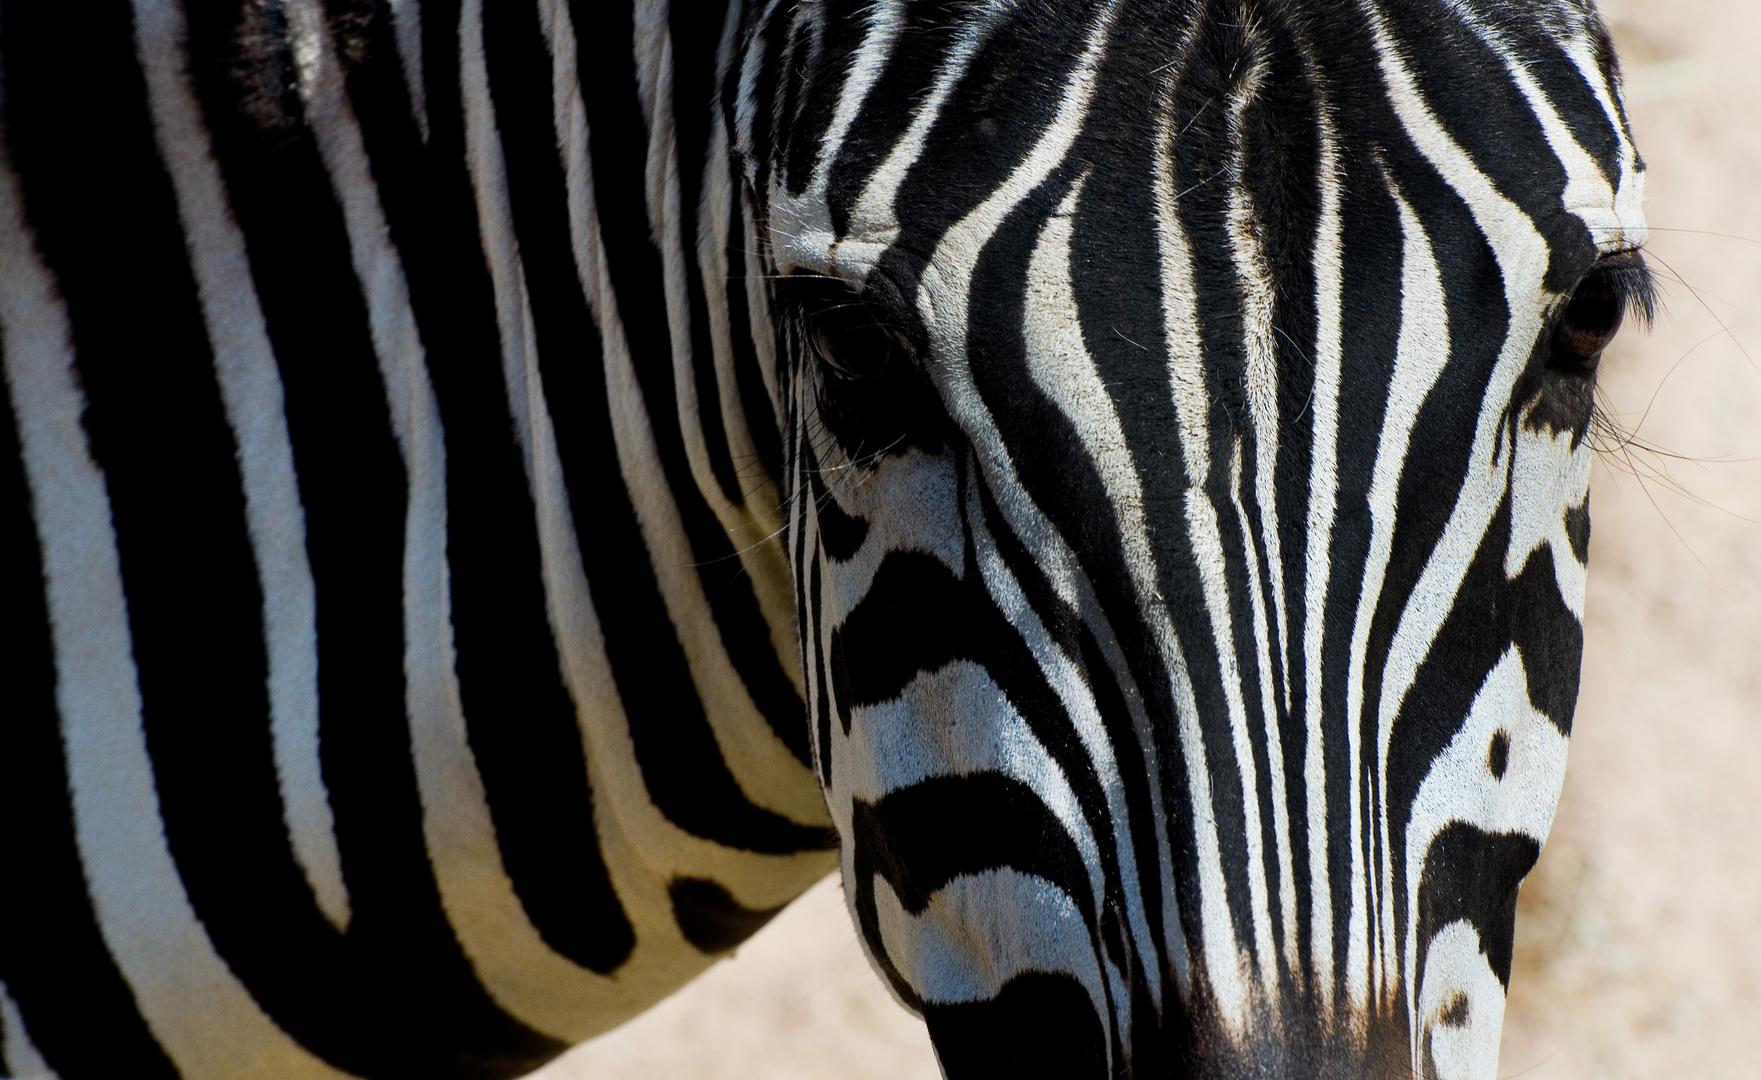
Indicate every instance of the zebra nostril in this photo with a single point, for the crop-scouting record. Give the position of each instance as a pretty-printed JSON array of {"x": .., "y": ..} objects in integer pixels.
[{"x": 1498, "y": 756}]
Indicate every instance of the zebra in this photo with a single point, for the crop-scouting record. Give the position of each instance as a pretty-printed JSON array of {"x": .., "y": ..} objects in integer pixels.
[{"x": 503, "y": 496}]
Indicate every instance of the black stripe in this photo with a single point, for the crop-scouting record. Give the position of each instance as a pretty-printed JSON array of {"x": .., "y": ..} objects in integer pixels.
[
  {"x": 1063, "y": 480},
  {"x": 1435, "y": 468},
  {"x": 1077, "y": 640},
  {"x": 1525, "y": 611},
  {"x": 986, "y": 127},
  {"x": 709, "y": 916},
  {"x": 840, "y": 534},
  {"x": 1213, "y": 74},
  {"x": 1473, "y": 875},
  {"x": 920, "y": 838},
  {"x": 917, "y": 618},
  {"x": 1284, "y": 176},
  {"x": 904, "y": 83},
  {"x": 1117, "y": 277},
  {"x": 775, "y": 38},
  {"x": 108, "y": 226},
  {"x": 755, "y": 403},
  {"x": 1039, "y": 1026},
  {"x": 836, "y": 29},
  {"x": 1541, "y": 54},
  {"x": 837, "y": 671},
  {"x": 402, "y": 958}
]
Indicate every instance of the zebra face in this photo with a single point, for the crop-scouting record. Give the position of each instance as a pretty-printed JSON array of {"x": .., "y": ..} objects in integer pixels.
[{"x": 1186, "y": 411}]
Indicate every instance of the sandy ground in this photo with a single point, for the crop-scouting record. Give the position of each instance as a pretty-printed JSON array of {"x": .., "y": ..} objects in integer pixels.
[{"x": 1639, "y": 939}]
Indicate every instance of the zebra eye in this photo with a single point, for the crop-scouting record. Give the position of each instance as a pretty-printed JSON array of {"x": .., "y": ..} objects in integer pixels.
[
  {"x": 874, "y": 395},
  {"x": 1591, "y": 319},
  {"x": 1593, "y": 315},
  {"x": 852, "y": 343}
]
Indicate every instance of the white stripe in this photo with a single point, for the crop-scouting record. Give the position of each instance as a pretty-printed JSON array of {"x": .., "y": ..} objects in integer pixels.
[
  {"x": 1060, "y": 365},
  {"x": 250, "y": 387},
  {"x": 919, "y": 736},
  {"x": 19, "y": 1057},
  {"x": 886, "y": 18},
  {"x": 1256, "y": 597},
  {"x": 746, "y": 526},
  {"x": 945, "y": 287},
  {"x": 1546, "y": 474},
  {"x": 516, "y": 967},
  {"x": 803, "y": 223},
  {"x": 1456, "y": 968},
  {"x": 1066, "y": 679},
  {"x": 406, "y": 22},
  {"x": 645, "y": 850},
  {"x": 641, "y": 849},
  {"x": 1459, "y": 787},
  {"x": 205, "y": 1020},
  {"x": 1629, "y": 196},
  {"x": 981, "y": 930},
  {"x": 768, "y": 774},
  {"x": 760, "y": 515},
  {"x": 1323, "y": 495},
  {"x": 751, "y": 69}
]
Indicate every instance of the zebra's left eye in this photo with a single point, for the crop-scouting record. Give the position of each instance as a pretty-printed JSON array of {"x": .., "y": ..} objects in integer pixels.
[{"x": 1593, "y": 315}]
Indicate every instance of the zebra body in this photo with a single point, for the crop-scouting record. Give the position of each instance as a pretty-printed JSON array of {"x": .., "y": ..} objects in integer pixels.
[
  {"x": 346, "y": 748},
  {"x": 496, "y": 482}
]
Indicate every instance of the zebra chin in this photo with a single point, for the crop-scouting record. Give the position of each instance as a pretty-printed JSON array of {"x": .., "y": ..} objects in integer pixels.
[{"x": 1008, "y": 974}]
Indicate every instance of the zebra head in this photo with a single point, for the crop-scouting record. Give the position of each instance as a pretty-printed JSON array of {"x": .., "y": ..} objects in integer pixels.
[{"x": 1185, "y": 407}]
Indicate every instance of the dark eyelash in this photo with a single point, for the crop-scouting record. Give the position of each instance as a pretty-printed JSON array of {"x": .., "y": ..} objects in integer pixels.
[{"x": 1632, "y": 283}]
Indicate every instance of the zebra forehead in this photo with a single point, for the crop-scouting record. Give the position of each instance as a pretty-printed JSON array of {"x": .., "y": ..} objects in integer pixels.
[{"x": 897, "y": 111}]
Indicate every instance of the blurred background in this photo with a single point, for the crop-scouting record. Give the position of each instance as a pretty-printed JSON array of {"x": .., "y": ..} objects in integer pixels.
[{"x": 1639, "y": 935}]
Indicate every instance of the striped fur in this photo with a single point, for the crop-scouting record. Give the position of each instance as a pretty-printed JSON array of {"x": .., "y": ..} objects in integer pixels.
[
  {"x": 405, "y": 684},
  {"x": 496, "y": 481},
  {"x": 1190, "y": 504}
]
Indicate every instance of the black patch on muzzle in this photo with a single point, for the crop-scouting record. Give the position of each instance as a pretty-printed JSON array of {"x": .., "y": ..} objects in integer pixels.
[
  {"x": 1473, "y": 875},
  {"x": 1040, "y": 1025}
]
